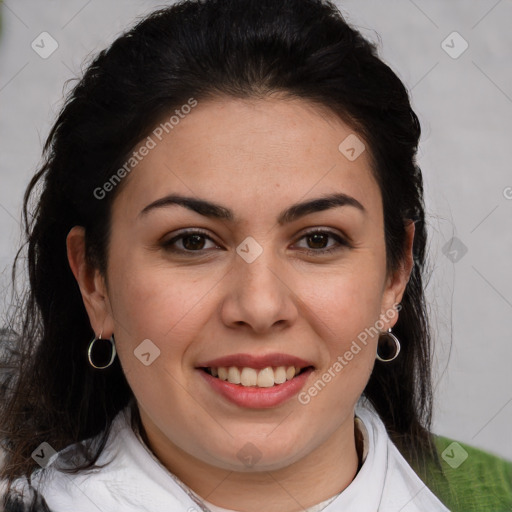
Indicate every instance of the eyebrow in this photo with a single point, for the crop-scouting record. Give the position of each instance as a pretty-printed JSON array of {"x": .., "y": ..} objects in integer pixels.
[{"x": 292, "y": 213}]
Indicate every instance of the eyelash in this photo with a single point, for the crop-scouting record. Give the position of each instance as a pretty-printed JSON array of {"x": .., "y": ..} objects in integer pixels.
[{"x": 167, "y": 245}]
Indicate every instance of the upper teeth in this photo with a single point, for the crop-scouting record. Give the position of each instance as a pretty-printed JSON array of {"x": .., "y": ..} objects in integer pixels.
[{"x": 264, "y": 378}]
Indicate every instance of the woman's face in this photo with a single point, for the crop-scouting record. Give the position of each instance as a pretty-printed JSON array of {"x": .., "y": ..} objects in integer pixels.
[{"x": 254, "y": 289}]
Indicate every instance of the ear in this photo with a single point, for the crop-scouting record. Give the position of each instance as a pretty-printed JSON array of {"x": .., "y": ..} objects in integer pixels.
[
  {"x": 92, "y": 284},
  {"x": 397, "y": 282}
]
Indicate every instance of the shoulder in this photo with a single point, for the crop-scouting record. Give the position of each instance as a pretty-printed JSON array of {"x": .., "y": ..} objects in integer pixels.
[
  {"x": 469, "y": 478},
  {"x": 124, "y": 478}
]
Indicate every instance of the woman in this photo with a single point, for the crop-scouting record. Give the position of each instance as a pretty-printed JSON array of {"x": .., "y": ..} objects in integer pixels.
[{"x": 226, "y": 308}]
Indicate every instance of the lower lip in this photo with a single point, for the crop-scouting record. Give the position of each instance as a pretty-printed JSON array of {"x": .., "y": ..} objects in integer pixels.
[{"x": 254, "y": 397}]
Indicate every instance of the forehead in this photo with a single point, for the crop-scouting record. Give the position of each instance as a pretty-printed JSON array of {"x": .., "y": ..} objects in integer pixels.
[{"x": 250, "y": 153}]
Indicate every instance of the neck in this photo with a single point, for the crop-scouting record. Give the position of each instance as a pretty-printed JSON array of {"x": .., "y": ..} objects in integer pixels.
[{"x": 323, "y": 473}]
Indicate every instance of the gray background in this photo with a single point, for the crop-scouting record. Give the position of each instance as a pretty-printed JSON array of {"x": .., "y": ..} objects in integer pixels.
[{"x": 465, "y": 107}]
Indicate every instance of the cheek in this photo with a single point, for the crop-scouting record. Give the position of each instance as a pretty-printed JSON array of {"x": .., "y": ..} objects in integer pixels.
[
  {"x": 346, "y": 299},
  {"x": 345, "y": 305},
  {"x": 151, "y": 304},
  {"x": 344, "y": 312},
  {"x": 159, "y": 312},
  {"x": 154, "y": 299}
]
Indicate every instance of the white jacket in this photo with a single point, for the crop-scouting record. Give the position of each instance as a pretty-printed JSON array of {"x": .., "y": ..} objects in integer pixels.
[{"x": 135, "y": 481}]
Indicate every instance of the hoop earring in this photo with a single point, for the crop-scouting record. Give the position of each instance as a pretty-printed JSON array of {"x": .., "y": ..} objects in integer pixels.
[
  {"x": 389, "y": 334},
  {"x": 112, "y": 352}
]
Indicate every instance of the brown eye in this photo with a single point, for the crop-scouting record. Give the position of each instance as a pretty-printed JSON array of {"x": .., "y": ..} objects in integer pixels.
[
  {"x": 191, "y": 241},
  {"x": 317, "y": 240}
]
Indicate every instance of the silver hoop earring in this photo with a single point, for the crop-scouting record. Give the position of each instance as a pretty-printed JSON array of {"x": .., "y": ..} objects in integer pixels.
[
  {"x": 389, "y": 335},
  {"x": 103, "y": 355}
]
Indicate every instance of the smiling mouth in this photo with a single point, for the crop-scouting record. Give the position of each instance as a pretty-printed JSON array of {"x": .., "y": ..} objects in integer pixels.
[{"x": 251, "y": 377}]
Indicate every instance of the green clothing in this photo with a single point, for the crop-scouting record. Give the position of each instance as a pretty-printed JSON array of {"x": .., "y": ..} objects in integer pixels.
[{"x": 470, "y": 479}]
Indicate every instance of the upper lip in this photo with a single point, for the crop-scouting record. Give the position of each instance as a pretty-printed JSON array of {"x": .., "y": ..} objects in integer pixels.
[{"x": 256, "y": 362}]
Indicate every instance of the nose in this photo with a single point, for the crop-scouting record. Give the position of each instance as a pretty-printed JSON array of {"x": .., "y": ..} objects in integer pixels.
[{"x": 257, "y": 295}]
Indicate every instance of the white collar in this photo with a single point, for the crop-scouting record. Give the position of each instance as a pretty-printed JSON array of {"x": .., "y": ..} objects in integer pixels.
[{"x": 135, "y": 480}]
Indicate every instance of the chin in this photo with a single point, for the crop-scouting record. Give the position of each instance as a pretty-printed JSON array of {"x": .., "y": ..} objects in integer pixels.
[{"x": 257, "y": 454}]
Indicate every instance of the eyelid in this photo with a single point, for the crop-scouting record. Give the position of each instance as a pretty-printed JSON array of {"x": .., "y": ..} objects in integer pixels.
[
  {"x": 326, "y": 230},
  {"x": 341, "y": 239},
  {"x": 187, "y": 232}
]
